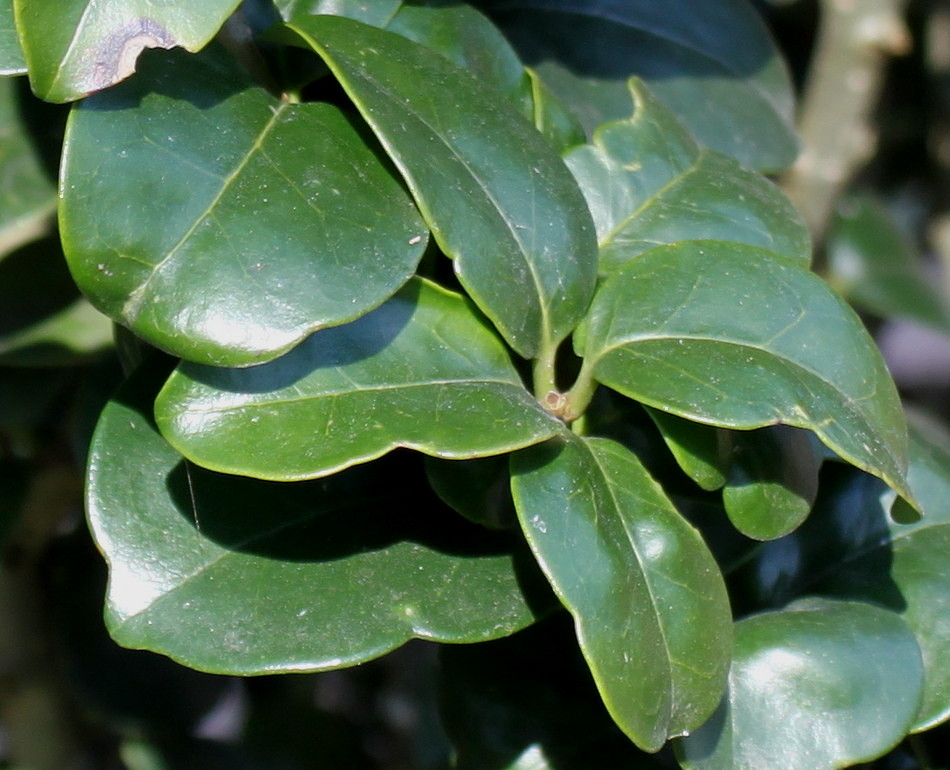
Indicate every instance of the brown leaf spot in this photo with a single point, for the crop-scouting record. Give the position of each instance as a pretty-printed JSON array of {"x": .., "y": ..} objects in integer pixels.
[{"x": 116, "y": 59}]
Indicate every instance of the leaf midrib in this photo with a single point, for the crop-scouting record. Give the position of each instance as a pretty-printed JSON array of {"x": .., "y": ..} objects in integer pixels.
[
  {"x": 136, "y": 299},
  {"x": 361, "y": 390},
  {"x": 509, "y": 226}
]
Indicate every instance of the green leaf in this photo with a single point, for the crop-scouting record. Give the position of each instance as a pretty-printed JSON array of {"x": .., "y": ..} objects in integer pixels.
[
  {"x": 849, "y": 548},
  {"x": 734, "y": 336},
  {"x": 773, "y": 480},
  {"x": 43, "y": 319},
  {"x": 378, "y": 12},
  {"x": 278, "y": 219},
  {"x": 552, "y": 117},
  {"x": 464, "y": 36},
  {"x": 713, "y": 64},
  {"x": 496, "y": 196},
  {"x": 648, "y": 183},
  {"x": 236, "y": 575},
  {"x": 27, "y": 194},
  {"x": 422, "y": 371},
  {"x": 649, "y": 605},
  {"x": 11, "y": 53},
  {"x": 479, "y": 489},
  {"x": 697, "y": 448},
  {"x": 75, "y": 47},
  {"x": 873, "y": 265},
  {"x": 821, "y": 685}
]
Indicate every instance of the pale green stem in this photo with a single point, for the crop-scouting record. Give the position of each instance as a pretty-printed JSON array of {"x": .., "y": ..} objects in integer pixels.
[
  {"x": 854, "y": 40},
  {"x": 545, "y": 382},
  {"x": 578, "y": 398}
]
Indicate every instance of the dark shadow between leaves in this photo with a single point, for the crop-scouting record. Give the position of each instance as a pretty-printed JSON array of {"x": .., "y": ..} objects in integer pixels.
[
  {"x": 34, "y": 285},
  {"x": 561, "y": 31},
  {"x": 843, "y": 550},
  {"x": 204, "y": 80},
  {"x": 531, "y": 689},
  {"x": 364, "y": 509},
  {"x": 328, "y": 348}
]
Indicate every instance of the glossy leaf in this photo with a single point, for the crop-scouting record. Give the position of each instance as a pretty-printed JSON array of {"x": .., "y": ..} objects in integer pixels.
[
  {"x": 11, "y": 53},
  {"x": 278, "y": 219},
  {"x": 497, "y": 198},
  {"x": 851, "y": 549},
  {"x": 464, "y": 36},
  {"x": 235, "y": 575},
  {"x": 821, "y": 685},
  {"x": 875, "y": 267},
  {"x": 727, "y": 334},
  {"x": 75, "y": 47},
  {"x": 713, "y": 64},
  {"x": 421, "y": 372},
  {"x": 378, "y": 12},
  {"x": 27, "y": 195},
  {"x": 773, "y": 480},
  {"x": 637, "y": 578},
  {"x": 43, "y": 319},
  {"x": 648, "y": 183}
]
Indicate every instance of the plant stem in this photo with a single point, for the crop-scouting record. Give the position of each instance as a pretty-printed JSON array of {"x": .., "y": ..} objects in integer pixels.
[
  {"x": 578, "y": 398},
  {"x": 854, "y": 40},
  {"x": 545, "y": 381}
]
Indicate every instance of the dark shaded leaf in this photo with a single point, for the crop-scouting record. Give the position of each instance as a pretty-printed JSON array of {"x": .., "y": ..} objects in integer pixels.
[
  {"x": 713, "y": 64},
  {"x": 43, "y": 319},
  {"x": 27, "y": 195},
  {"x": 849, "y": 548},
  {"x": 773, "y": 480},
  {"x": 874, "y": 266},
  {"x": 507, "y": 707}
]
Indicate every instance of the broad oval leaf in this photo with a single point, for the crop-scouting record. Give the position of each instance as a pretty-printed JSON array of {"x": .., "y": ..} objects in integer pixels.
[
  {"x": 649, "y": 604},
  {"x": 222, "y": 224},
  {"x": 422, "y": 371},
  {"x": 850, "y": 549},
  {"x": 713, "y": 64},
  {"x": 240, "y": 576},
  {"x": 726, "y": 334},
  {"x": 648, "y": 182},
  {"x": 495, "y": 194},
  {"x": 821, "y": 684},
  {"x": 75, "y": 47}
]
